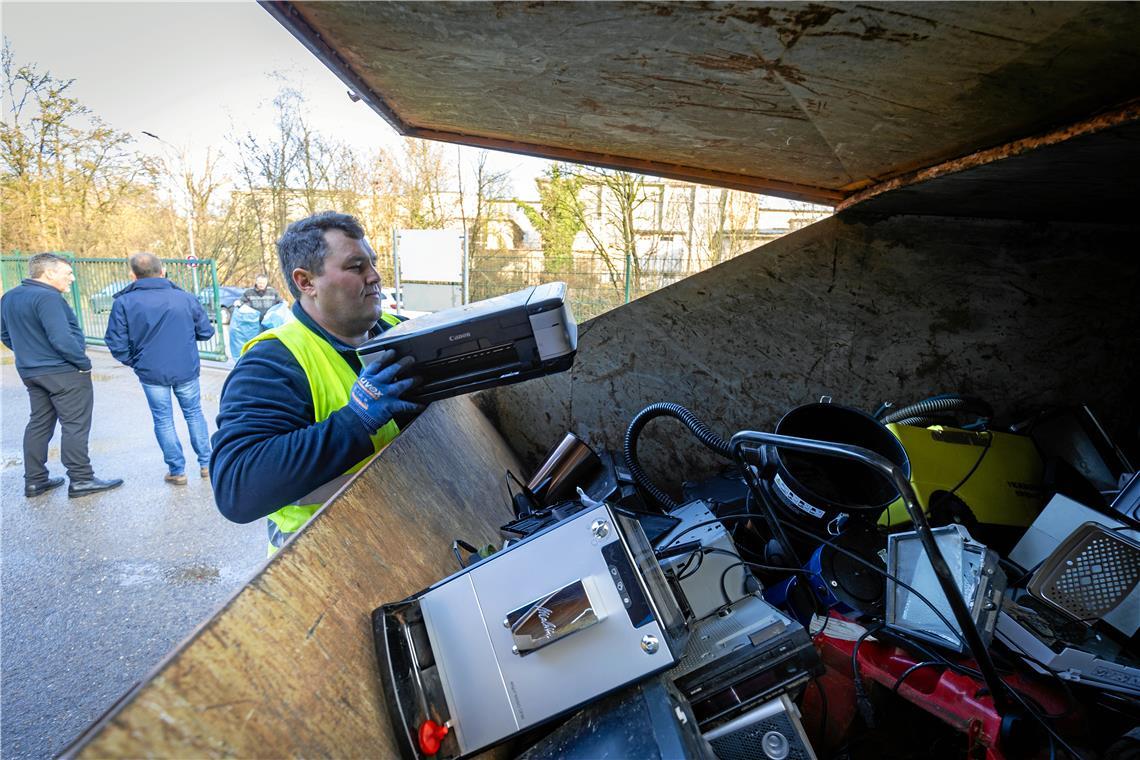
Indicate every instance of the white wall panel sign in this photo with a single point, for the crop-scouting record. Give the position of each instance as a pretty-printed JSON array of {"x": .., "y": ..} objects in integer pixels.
[{"x": 430, "y": 255}]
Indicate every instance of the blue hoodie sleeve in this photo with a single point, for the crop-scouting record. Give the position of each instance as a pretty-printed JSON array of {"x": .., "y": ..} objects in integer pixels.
[
  {"x": 203, "y": 330},
  {"x": 268, "y": 452},
  {"x": 53, "y": 314},
  {"x": 117, "y": 338}
]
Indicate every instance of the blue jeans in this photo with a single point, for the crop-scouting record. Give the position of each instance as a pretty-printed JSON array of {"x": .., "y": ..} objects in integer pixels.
[{"x": 189, "y": 396}]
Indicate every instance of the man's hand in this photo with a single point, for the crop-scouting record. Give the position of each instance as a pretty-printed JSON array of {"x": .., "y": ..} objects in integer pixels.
[{"x": 376, "y": 396}]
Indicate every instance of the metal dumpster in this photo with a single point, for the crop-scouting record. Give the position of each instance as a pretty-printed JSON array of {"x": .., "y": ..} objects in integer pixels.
[{"x": 983, "y": 159}]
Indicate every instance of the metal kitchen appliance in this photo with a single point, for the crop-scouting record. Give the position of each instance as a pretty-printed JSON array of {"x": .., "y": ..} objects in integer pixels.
[{"x": 529, "y": 634}]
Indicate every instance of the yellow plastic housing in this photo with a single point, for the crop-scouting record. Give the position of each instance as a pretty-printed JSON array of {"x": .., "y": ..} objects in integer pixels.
[{"x": 1005, "y": 489}]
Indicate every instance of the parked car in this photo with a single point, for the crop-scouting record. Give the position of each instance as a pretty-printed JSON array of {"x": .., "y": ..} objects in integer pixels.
[
  {"x": 388, "y": 303},
  {"x": 228, "y": 294},
  {"x": 103, "y": 299}
]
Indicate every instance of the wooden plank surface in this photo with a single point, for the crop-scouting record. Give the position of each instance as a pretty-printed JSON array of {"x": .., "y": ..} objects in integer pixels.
[{"x": 287, "y": 668}]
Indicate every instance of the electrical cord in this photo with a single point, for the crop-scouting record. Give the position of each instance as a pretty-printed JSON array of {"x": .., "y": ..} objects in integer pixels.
[
  {"x": 697, "y": 555},
  {"x": 746, "y": 471},
  {"x": 770, "y": 514},
  {"x": 851, "y": 555},
  {"x": 944, "y": 495},
  {"x": 911, "y": 669},
  {"x": 861, "y": 699},
  {"x": 887, "y": 574},
  {"x": 822, "y": 713},
  {"x": 833, "y": 545}
]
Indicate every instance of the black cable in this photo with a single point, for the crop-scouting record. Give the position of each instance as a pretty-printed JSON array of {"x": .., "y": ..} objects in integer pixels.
[
  {"x": 833, "y": 545},
  {"x": 858, "y": 678},
  {"x": 885, "y": 573},
  {"x": 697, "y": 555},
  {"x": 861, "y": 699},
  {"x": 943, "y": 495},
  {"x": 1044, "y": 723},
  {"x": 774, "y": 522},
  {"x": 1038, "y": 716},
  {"x": 978, "y": 463},
  {"x": 912, "y": 668},
  {"x": 822, "y": 714},
  {"x": 822, "y": 628}
]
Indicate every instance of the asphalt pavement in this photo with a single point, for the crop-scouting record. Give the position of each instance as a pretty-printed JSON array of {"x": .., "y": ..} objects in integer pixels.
[{"x": 95, "y": 591}]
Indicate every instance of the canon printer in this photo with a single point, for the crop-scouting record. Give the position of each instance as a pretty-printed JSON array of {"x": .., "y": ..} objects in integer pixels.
[{"x": 501, "y": 340}]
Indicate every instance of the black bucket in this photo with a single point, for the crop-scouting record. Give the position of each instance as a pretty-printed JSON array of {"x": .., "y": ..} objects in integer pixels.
[{"x": 815, "y": 488}]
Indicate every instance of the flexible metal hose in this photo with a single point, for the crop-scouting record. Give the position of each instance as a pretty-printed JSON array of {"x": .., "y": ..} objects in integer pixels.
[
  {"x": 937, "y": 407},
  {"x": 652, "y": 412}
]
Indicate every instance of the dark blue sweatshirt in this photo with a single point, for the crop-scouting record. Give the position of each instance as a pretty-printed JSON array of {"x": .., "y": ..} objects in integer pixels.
[
  {"x": 154, "y": 329},
  {"x": 40, "y": 327},
  {"x": 268, "y": 452}
]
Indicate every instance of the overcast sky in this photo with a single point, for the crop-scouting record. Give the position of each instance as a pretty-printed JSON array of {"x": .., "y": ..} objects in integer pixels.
[{"x": 190, "y": 72}]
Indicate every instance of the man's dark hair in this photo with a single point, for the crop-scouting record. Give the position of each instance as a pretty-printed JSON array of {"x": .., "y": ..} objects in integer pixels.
[
  {"x": 41, "y": 262},
  {"x": 146, "y": 265},
  {"x": 303, "y": 244}
]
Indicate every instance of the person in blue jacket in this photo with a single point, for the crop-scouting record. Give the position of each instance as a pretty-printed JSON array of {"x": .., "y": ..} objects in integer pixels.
[
  {"x": 153, "y": 329},
  {"x": 40, "y": 327}
]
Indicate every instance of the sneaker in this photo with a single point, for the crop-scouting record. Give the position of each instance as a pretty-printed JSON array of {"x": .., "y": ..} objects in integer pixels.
[
  {"x": 204, "y": 472},
  {"x": 95, "y": 485},
  {"x": 175, "y": 480}
]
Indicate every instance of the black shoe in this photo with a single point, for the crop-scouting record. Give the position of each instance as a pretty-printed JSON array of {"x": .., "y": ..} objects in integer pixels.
[
  {"x": 95, "y": 485},
  {"x": 39, "y": 489}
]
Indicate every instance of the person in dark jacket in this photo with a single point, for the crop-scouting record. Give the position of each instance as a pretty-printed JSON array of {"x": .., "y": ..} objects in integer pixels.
[
  {"x": 40, "y": 327},
  {"x": 153, "y": 329},
  {"x": 261, "y": 297},
  {"x": 299, "y": 414}
]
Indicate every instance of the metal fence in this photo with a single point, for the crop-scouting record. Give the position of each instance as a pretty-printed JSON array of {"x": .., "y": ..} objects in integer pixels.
[
  {"x": 593, "y": 288},
  {"x": 98, "y": 280}
]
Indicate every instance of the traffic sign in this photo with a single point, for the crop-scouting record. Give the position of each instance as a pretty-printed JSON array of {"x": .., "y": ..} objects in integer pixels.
[{"x": 192, "y": 259}]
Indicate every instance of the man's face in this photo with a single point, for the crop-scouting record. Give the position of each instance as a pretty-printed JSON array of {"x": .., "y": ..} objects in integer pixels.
[
  {"x": 260, "y": 283},
  {"x": 59, "y": 277},
  {"x": 347, "y": 292}
]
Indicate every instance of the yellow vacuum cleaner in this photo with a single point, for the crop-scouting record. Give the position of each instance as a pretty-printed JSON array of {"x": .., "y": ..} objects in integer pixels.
[{"x": 997, "y": 477}]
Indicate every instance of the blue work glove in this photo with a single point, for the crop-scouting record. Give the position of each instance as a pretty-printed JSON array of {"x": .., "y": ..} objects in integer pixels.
[{"x": 376, "y": 395}]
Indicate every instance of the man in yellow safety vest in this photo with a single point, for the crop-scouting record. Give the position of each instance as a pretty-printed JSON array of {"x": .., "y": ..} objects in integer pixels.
[{"x": 298, "y": 413}]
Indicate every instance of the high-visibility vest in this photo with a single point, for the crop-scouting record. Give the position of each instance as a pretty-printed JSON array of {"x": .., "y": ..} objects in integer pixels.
[{"x": 330, "y": 380}]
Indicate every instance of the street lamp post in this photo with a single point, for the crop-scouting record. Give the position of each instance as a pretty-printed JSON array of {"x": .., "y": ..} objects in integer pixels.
[{"x": 189, "y": 201}]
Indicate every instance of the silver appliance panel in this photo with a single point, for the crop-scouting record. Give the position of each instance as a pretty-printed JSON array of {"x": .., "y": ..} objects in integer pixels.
[{"x": 492, "y": 690}]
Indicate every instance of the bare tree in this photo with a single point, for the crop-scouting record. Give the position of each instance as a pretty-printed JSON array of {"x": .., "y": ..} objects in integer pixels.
[
  {"x": 68, "y": 179},
  {"x": 619, "y": 195},
  {"x": 424, "y": 174}
]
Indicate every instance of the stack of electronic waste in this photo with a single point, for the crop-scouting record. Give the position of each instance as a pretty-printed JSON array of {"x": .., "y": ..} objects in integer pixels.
[{"x": 617, "y": 622}]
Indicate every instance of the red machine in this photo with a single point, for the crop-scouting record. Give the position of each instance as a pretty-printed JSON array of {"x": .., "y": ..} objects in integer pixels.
[{"x": 957, "y": 699}]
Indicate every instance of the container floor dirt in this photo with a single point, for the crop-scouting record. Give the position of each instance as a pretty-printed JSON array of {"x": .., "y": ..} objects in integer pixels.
[{"x": 96, "y": 590}]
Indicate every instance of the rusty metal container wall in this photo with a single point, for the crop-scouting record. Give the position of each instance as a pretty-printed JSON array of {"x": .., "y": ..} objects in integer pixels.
[{"x": 864, "y": 311}]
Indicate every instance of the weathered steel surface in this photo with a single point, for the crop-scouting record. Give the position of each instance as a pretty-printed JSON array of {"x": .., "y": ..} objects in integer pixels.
[
  {"x": 807, "y": 100},
  {"x": 894, "y": 310},
  {"x": 287, "y": 668}
]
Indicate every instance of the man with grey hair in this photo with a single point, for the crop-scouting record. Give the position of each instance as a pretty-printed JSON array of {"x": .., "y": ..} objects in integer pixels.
[
  {"x": 299, "y": 414},
  {"x": 40, "y": 327},
  {"x": 154, "y": 328}
]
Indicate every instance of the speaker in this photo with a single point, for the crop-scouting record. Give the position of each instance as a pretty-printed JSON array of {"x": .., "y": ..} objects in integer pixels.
[{"x": 772, "y": 731}]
